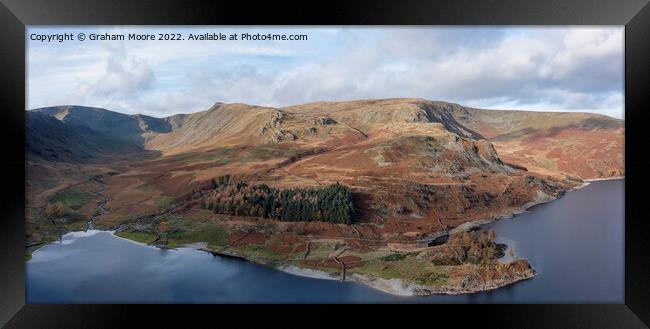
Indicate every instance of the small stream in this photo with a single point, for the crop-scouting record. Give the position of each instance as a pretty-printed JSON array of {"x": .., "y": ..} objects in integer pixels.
[
  {"x": 576, "y": 244},
  {"x": 100, "y": 206}
]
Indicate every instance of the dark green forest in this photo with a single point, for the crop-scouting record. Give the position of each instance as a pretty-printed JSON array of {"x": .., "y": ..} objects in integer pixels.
[{"x": 234, "y": 197}]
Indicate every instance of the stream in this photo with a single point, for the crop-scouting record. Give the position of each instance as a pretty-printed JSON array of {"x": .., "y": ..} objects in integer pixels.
[{"x": 100, "y": 206}]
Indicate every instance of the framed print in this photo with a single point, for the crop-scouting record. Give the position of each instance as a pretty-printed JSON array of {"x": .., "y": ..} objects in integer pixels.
[{"x": 380, "y": 153}]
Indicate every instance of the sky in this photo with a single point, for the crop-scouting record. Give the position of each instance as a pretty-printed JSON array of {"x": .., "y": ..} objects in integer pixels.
[{"x": 516, "y": 68}]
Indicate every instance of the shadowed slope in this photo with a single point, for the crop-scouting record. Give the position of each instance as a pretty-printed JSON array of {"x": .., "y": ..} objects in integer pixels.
[
  {"x": 50, "y": 139},
  {"x": 129, "y": 129}
]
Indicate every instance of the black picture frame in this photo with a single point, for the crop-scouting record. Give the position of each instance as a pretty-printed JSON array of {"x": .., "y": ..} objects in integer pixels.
[{"x": 15, "y": 15}]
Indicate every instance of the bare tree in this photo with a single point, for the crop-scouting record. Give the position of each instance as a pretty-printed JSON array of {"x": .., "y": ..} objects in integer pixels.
[
  {"x": 164, "y": 228},
  {"x": 491, "y": 235},
  {"x": 54, "y": 210}
]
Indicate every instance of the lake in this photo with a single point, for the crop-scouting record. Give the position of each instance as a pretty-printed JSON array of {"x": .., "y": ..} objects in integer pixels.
[{"x": 575, "y": 243}]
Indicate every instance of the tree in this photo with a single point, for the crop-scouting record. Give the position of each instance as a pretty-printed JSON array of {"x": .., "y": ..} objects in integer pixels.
[
  {"x": 164, "y": 227},
  {"x": 491, "y": 235},
  {"x": 489, "y": 253},
  {"x": 233, "y": 197},
  {"x": 466, "y": 240},
  {"x": 54, "y": 210}
]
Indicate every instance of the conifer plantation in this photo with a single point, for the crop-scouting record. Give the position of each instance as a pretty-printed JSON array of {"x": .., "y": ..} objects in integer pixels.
[{"x": 235, "y": 197}]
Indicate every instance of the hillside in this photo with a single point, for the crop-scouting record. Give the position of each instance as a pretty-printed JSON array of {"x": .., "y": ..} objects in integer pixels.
[
  {"x": 392, "y": 152},
  {"x": 53, "y": 140},
  {"x": 63, "y": 149},
  {"x": 368, "y": 115},
  {"x": 384, "y": 188},
  {"x": 584, "y": 145},
  {"x": 239, "y": 124},
  {"x": 552, "y": 143},
  {"x": 410, "y": 160},
  {"x": 116, "y": 127}
]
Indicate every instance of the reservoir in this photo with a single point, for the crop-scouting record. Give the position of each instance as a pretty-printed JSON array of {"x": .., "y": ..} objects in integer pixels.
[{"x": 575, "y": 243}]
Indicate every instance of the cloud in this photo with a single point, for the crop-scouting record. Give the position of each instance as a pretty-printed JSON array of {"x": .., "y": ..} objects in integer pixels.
[
  {"x": 570, "y": 69},
  {"x": 546, "y": 68},
  {"x": 124, "y": 77}
]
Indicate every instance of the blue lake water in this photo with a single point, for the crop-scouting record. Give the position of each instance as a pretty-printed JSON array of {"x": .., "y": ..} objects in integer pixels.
[{"x": 576, "y": 244}]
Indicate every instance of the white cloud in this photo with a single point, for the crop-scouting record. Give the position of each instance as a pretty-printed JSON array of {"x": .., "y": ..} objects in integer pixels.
[
  {"x": 124, "y": 77},
  {"x": 568, "y": 69}
]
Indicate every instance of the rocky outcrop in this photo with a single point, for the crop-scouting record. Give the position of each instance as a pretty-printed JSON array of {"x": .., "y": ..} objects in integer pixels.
[
  {"x": 272, "y": 129},
  {"x": 279, "y": 136},
  {"x": 310, "y": 131},
  {"x": 322, "y": 121},
  {"x": 274, "y": 123}
]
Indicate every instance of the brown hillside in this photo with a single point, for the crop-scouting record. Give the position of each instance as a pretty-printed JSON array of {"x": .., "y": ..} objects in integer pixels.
[
  {"x": 577, "y": 144},
  {"x": 413, "y": 165}
]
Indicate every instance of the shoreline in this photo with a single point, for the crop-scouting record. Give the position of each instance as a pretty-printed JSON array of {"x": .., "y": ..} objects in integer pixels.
[
  {"x": 398, "y": 287},
  {"x": 408, "y": 289},
  {"x": 467, "y": 226},
  {"x": 604, "y": 179},
  {"x": 525, "y": 208},
  {"x": 395, "y": 286}
]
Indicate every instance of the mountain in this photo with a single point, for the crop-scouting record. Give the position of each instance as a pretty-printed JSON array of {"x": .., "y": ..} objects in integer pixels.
[
  {"x": 584, "y": 145},
  {"x": 576, "y": 144},
  {"x": 51, "y": 139},
  {"x": 402, "y": 174},
  {"x": 369, "y": 114},
  {"x": 407, "y": 154},
  {"x": 128, "y": 129}
]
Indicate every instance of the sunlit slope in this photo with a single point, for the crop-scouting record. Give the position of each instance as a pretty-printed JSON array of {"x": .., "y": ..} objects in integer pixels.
[
  {"x": 585, "y": 145},
  {"x": 405, "y": 159}
]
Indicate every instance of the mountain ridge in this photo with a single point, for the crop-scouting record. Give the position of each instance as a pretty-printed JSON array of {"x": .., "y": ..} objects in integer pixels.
[
  {"x": 216, "y": 104},
  {"x": 523, "y": 138}
]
